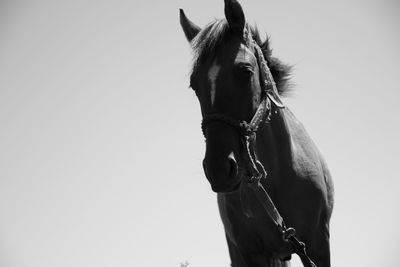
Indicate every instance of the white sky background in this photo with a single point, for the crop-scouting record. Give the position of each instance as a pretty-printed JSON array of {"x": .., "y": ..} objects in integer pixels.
[{"x": 100, "y": 141}]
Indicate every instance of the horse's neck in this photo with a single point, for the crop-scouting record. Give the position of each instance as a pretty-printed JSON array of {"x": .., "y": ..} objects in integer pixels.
[{"x": 275, "y": 147}]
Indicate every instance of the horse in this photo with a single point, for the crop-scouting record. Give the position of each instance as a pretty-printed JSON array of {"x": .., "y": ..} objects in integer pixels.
[{"x": 259, "y": 159}]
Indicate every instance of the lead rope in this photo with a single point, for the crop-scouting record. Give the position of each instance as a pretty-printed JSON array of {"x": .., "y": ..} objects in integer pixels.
[
  {"x": 269, "y": 86},
  {"x": 288, "y": 234}
]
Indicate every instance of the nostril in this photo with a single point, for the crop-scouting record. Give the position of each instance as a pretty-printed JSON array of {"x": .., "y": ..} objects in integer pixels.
[{"x": 233, "y": 167}]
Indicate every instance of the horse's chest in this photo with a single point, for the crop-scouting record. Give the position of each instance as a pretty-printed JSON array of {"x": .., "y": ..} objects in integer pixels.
[{"x": 239, "y": 228}]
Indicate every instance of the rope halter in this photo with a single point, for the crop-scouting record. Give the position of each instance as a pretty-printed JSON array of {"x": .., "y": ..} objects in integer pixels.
[{"x": 248, "y": 130}]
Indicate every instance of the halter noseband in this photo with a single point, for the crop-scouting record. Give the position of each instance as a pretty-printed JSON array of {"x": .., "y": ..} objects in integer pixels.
[{"x": 243, "y": 127}]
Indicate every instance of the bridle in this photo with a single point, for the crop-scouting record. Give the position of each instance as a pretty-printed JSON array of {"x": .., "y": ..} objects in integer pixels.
[{"x": 248, "y": 132}]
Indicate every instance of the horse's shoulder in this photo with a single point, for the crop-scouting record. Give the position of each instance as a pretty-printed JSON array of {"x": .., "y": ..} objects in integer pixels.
[
  {"x": 302, "y": 146},
  {"x": 306, "y": 159}
]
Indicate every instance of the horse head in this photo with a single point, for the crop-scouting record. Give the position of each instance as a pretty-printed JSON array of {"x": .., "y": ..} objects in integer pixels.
[{"x": 226, "y": 78}]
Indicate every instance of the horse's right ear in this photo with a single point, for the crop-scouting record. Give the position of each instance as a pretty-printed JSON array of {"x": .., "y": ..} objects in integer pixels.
[
  {"x": 235, "y": 16},
  {"x": 189, "y": 28}
]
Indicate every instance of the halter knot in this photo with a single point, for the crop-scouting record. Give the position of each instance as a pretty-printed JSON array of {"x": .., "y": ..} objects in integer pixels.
[{"x": 247, "y": 129}]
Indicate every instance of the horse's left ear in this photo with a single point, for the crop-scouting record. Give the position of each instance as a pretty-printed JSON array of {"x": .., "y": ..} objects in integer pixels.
[
  {"x": 189, "y": 28},
  {"x": 234, "y": 15}
]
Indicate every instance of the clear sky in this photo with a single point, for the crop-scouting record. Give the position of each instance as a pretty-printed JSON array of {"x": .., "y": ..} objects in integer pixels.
[{"x": 100, "y": 141}]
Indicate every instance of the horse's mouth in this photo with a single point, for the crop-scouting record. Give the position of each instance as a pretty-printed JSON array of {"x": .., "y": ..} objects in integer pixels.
[{"x": 226, "y": 188}]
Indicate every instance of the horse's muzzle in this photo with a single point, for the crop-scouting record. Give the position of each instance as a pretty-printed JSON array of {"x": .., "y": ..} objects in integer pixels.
[{"x": 223, "y": 176}]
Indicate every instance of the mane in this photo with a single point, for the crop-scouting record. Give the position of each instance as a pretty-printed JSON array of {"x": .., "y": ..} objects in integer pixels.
[{"x": 208, "y": 41}]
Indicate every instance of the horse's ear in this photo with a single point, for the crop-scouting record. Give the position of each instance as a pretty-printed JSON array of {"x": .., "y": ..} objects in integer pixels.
[
  {"x": 234, "y": 15},
  {"x": 189, "y": 28}
]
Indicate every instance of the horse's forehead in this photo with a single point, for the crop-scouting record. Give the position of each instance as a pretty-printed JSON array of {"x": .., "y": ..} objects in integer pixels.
[
  {"x": 244, "y": 54},
  {"x": 212, "y": 77},
  {"x": 239, "y": 53}
]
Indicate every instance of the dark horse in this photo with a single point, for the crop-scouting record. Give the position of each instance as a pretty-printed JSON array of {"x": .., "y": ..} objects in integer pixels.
[{"x": 250, "y": 134}]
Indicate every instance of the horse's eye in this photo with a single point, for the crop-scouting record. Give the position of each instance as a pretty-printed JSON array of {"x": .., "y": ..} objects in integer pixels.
[
  {"x": 247, "y": 71},
  {"x": 244, "y": 71}
]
